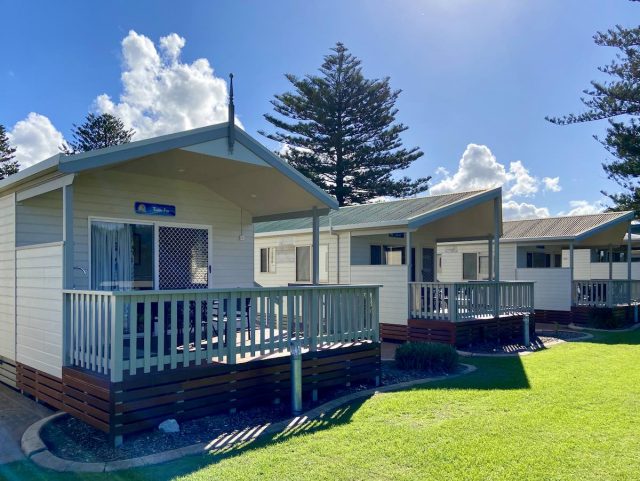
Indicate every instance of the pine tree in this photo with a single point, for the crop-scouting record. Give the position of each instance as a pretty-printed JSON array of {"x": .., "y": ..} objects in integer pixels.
[
  {"x": 97, "y": 132},
  {"x": 8, "y": 164},
  {"x": 338, "y": 128},
  {"x": 618, "y": 101}
]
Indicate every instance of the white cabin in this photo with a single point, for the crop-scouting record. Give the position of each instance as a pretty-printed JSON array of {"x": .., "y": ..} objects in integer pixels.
[
  {"x": 135, "y": 260},
  {"x": 575, "y": 261},
  {"x": 394, "y": 244}
]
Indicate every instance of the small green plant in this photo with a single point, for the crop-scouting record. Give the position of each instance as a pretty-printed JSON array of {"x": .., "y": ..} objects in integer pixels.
[
  {"x": 603, "y": 318},
  {"x": 427, "y": 356}
]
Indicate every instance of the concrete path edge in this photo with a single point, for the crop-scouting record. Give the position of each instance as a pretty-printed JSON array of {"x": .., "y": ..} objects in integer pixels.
[{"x": 35, "y": 449}]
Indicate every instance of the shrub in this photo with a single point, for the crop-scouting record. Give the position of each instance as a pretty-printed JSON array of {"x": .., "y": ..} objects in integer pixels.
[
  {"x": 427, "y": 356},
  {"x": 603, "y": 318}
]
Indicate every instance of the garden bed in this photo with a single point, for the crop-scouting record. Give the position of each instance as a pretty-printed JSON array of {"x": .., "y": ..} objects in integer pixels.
[
  {"x": 69, "y": 438},
  {"x": 540, "y": 341}
]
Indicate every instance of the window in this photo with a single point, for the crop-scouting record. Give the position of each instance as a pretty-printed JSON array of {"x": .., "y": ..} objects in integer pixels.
[
  {"x": 619, "y": 254},
  {"x": 483, "y": 267},
  {"x": 303, "y": 264},
  {"x": 470, "y": 266},
  {"x": 394, "y": 256},
  {"x": 388, "y": 255},
  {"x": 121, "y": 256},
  {"x": 268, "y": 259},
  {"x": 538, "y": 259},
  {"x": 557, "y": 260},
  {"x": 376, "y": 255}
]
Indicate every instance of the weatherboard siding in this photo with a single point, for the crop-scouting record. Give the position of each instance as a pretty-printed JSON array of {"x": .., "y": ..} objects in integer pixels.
[
  {"x": 285, "y": 246},
  {"x": 39, "y": 219},
  {"x": 112, "y": 194},
  {"x": 552, "y": 288},
  {"x": 39, "y": 307},
  {"x": 7, "y": 277},
  {"x": 585, "y": 269},
  {"x": 394, "y": 293}
]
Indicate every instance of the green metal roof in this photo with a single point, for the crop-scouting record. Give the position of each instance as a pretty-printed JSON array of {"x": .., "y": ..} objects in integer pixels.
[
  {"x": 397, "y": 212},
  {"x": 565, "y": 227}
]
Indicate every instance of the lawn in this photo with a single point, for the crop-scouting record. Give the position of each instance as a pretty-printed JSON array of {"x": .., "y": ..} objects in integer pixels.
[{"x": 571, "y": 412}]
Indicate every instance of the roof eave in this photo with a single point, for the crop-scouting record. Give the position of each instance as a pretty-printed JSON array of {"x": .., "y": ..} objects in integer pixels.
[
  {"x": 462, "y": 204},
  {"x": 627, "y": 216},
  {"x": 48, "y": 165}
]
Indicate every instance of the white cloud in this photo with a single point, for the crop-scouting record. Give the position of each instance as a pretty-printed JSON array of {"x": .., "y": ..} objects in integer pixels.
[
  {"x": 552, "y": 184},
  {"x": 523, "y": 183},
  {"x": 583, "y": 207},
  {"x": 35, "y": 139},
  {"x": 479, "y": 169},
  {"x": 161, "y": 94},
  {"x": 512, "y": 210}
]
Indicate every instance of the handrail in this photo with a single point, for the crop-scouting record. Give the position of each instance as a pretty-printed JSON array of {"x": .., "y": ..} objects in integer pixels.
[
  {"x": 605, "y": 292},
  {"x": 454, "y": 301},
  {"x": 215, "y": 290},
  {"x": 118, "y": 333}
]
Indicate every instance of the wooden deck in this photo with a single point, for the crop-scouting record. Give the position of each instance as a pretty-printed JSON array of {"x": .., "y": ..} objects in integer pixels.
[
  {"x": 142, "y": 401},
  {"x": 461, "y": 333}
]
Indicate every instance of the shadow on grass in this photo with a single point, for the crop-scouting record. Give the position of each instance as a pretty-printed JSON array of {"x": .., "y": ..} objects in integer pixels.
[
  {"x": 613, "y": 337},
  {"x": 492, "y": 373},
  {"x": 215, "y": 454}
]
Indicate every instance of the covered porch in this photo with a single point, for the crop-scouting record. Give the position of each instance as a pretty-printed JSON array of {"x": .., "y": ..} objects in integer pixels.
[
  {"x": 404, "y": 258},
  {"x": 141, "y": 275},
  {"x": 590, "y": 270}
]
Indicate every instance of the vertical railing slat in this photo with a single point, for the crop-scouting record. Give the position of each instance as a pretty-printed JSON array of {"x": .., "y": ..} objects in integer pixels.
[
  {"x": 147, "y": 334},
  {"x": 161, "y": 332}
]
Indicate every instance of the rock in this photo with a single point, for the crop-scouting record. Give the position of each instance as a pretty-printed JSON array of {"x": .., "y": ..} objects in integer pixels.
[{"x": 169, "y": 426}]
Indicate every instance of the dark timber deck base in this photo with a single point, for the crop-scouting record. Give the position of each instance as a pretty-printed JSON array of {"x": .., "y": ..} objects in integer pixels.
[
  {"x": 142, "y": 401},
  {"x": 583, "y": 315},
  {"x": 461, "y": 333},
  {"x": 7, "y": 372}
]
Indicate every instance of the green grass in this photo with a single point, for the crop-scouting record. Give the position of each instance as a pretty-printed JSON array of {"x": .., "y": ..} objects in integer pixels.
[{"x": 571, "y": 412}]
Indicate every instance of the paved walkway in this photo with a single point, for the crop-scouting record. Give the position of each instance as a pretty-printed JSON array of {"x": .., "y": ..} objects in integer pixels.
[{"x": 17, "y": 413}]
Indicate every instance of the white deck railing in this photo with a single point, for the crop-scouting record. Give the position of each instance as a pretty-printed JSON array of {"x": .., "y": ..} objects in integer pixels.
[
  {"x": 605, "y": 293},
  {"x": 114, "y": 333},
  {"x": 456, "y": 301}
]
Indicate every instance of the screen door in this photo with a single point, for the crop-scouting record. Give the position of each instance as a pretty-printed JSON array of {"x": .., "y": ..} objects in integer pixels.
[{"x": 183, "y": 257}]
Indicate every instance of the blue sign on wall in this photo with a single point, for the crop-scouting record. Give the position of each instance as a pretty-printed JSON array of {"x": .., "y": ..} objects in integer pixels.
[
  {"x": 146, "y": 208},
  {"x": 400, "y": 235}
]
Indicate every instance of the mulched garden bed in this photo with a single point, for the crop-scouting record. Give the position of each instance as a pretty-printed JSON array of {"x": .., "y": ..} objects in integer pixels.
[
  {"x": 537, "y": 343},
  {"x": 70, "y": 438}
]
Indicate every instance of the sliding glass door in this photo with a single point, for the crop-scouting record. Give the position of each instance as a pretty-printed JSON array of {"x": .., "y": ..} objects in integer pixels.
[{"x": 132, "y": 256}]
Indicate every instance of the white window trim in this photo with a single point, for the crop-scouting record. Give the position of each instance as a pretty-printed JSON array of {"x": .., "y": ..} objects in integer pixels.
[
  {"x": 156, "y": 255},
  {"x": 269, "y": 263},
  {"x": 311, "y": 263}
]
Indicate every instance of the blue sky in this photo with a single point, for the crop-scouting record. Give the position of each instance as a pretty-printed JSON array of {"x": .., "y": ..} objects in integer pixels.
[{"x": 478, "y": 77}]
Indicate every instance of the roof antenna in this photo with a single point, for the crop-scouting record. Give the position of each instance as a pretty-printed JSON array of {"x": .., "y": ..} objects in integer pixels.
[{"x": 231, "y": 116}]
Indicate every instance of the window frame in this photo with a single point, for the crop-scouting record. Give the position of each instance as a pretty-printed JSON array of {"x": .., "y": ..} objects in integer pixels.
[{"x": 271, "y": 260}]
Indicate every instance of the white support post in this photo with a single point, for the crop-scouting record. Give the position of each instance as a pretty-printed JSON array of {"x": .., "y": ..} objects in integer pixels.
[
  {"x": 67, "y": 266},
  {"x": 496, "y": 239},
  {"x": 490, "y": 250},
  {"x": 316, "y": 247},
  {"x": 409, "y": 267},
  {"x": 610, "y": 262},
  {"x": 573, "y": 292},
  {"x": 67, "y": 235},
  {"x": 496, "y": 257},
  {"x": 408, "y": 256},
  {"x": 629, "y": 263}
]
